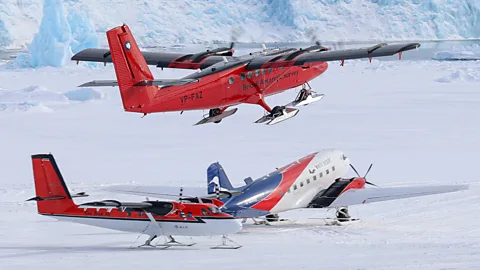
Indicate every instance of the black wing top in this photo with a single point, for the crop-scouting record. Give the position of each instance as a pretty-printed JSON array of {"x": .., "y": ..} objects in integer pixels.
[
  {"x": 288, "y": 57},
  {"x": 301, "y": 57},
  {"x": 159, "y": 59},
  {"x": 162, "y": 82}
]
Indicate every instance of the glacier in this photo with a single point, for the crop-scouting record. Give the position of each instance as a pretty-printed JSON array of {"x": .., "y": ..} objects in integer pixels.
[
  {"x": 5, "y": 38},
  {"x": 51, "y": 45},
  {"x": 82, "y": 29},
  {"x": 469, "y": 52},
  {"x": 60, "y": 35},
  {"x": 206, "y": 21}
]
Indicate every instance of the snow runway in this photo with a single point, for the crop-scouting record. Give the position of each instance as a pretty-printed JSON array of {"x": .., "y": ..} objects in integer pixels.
[{"x": 415, "y": 129}]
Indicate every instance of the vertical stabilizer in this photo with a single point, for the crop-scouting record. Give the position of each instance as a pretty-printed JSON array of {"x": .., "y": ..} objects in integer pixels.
[
  {"x": 130, "y": 69},
  {"x": 52, "y": 194},
  {"x": 217, "y": 176}
]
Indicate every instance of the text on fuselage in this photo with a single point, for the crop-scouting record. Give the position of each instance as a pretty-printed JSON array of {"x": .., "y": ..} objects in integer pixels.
[
  {"x": 323, "y": 163},
  {"x": 253, "y": 84},
  {"x": 192, "y": 96}
]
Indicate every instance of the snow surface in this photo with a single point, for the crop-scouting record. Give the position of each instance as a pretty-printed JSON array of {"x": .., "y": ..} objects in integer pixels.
[
  {"x": 183, "y": 21},
  {"x": 38, "y": 98},
  {"x": 395, "y": 114}
]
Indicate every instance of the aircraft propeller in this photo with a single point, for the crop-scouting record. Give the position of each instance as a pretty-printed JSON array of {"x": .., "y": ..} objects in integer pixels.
[
  {"x": 365, "y": 176},
  {"x": 235, "y": 33}
]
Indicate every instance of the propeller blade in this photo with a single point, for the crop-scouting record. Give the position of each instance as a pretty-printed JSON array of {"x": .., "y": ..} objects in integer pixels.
[
  {"x": 371, "y": 164},
  {"x": 355, "y": 170},
  {"x": 369, "y": 183}
]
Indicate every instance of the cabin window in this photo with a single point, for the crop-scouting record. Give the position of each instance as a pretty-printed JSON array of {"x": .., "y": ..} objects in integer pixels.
[
  {"x": 281, "y": 68},
  {"x": 189, "y": 214},
  {"x": 308, "y": 180},
  {"x": 214, "y": 209},
  {"x": 321, "y": 174},
  {"x": 282, "y": 193},
  {"x": 327, "y": 172},
  {"x": 129, "y": 213},
  {"x": 333, "y": 168},
  {"x": 263, "y": 71},
  {"x": 294, "y": 187},
  {"x": 140, "y": 213},
  {"x": 301, "y": 184},
  {"x": 230, "y": 80},
  {"x": 243, "y": 76},
  {"x": 250, "y": 75},
  {"x": 204, "y": 212},
  {"x": 257, "y": 73},
  {"x": 270, "y": 70},
  {"x": 314, "y": 178}
]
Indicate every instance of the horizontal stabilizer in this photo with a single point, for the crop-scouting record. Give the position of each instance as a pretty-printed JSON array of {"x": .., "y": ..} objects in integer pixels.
[
  {"x": 80, "y": 194},
  {"x": 162, "y": 82},
  {"x": 371, "y": 195},
  {"x": 38, "y": 198}
]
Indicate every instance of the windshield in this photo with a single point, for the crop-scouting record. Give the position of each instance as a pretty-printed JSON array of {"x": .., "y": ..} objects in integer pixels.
[{"x": 214, "y": 209}]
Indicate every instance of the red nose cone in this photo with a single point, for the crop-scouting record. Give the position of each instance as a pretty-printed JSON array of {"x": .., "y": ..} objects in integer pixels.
[
  {"x": 233, "y": 51},
  {"x": 357, "y": 183}
]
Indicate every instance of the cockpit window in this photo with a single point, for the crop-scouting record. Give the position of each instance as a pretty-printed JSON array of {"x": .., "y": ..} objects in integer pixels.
[{"x": 214, "y": 209}]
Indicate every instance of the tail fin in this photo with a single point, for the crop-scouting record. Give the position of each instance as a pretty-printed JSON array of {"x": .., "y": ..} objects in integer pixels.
[
  {"x": 130, "y": 68},
  {"x": 216, "y": 176},
  {"x": 53, "y": 196}
]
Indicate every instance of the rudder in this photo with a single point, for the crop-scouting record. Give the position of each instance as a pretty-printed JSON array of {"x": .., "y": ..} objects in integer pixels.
[
  {"x": 216, "y": 176},
  {"x": 130, "y": 69}
]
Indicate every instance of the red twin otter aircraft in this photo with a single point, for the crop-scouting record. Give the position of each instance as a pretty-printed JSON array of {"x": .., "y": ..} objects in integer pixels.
[
  {"x": 223, "y": 80},
  {"x": 153, "y": 218}
]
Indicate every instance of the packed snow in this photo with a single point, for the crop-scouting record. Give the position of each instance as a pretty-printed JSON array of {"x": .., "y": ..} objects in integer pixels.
[
  {"x": 160, "y": 22},
  {"x": 38, "y": 98},
  {"x": 395, "y": 114}
]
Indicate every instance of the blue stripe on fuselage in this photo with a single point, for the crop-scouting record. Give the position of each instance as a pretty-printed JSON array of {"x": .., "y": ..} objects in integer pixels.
[{"x": 255, "y": 192}]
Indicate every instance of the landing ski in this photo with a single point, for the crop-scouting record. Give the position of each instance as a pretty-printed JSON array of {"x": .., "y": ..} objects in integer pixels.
[{"x": 216, "y": 118}]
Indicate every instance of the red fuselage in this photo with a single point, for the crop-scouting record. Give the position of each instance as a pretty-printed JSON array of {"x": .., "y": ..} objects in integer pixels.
[{"x": 232, "y": 86}]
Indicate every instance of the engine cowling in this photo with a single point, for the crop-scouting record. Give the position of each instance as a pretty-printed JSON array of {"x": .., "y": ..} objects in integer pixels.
[{"x": 326, "y": 197}]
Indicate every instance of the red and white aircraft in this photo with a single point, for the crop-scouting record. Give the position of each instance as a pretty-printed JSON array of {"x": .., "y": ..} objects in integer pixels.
[
  {"x": 153, "y": 218},
  {"x": 224, "y": 80},
  {"x": 314, "y": 181}
]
